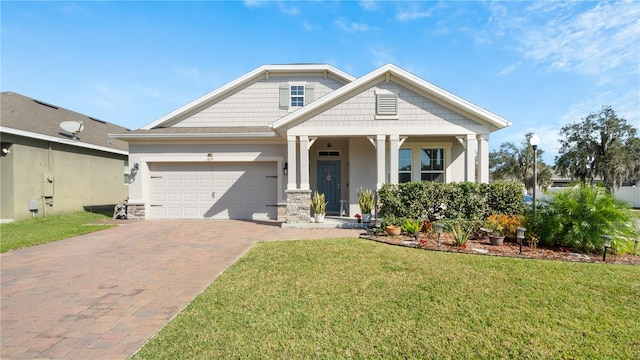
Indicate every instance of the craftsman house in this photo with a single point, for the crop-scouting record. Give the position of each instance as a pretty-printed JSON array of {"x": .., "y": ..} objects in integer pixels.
[{"x": 256, "y": 147}]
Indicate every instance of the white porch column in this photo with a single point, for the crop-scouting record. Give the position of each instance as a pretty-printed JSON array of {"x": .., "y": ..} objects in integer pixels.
[
  {"x": 394, "y": 146},
  {"x": 380, "y": 158},
  {"x": 304, "y": 163},
  {"x": 292, "y": 177},
  {"x": 470, "y": 159},
  {"x": 483, "y": 158}
]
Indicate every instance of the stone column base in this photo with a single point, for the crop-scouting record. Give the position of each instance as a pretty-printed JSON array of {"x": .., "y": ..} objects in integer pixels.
[
  {"x": 135, "y": 211},
  {"x": 298, "y": 206}
]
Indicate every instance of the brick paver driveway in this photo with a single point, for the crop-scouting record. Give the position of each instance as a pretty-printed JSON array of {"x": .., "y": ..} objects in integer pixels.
[{"x": 102, "y": 295}]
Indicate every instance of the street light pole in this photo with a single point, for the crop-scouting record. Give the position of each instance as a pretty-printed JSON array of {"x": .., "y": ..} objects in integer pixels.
[{"x": 534, "y": 140}]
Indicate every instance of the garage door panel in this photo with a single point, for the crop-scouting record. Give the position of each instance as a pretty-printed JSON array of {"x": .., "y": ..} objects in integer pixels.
[{"x": 242, "y": 191}]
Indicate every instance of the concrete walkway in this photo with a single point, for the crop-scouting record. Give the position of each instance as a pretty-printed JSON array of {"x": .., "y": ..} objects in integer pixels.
[{"x": 102, "y": 295}]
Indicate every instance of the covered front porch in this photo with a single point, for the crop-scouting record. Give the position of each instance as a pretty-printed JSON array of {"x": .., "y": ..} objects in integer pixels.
[{"x": 338, "y": 166}]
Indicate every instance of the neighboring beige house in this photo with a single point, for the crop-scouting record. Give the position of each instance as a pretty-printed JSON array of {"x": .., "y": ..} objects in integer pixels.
[
  {"x": 45, "y": 168},
  {"x": 256, "y": 147}
]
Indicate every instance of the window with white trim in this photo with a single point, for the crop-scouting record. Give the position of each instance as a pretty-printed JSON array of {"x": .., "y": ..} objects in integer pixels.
[
  {"x": 432, "y": 165},
  {"x": 294, "y": 95},
  {"x": 297, "y": 95},
  {"x": 404, "y": 165}
]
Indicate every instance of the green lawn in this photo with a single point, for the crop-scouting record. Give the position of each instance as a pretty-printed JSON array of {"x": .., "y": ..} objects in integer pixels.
[
  {"x": 351, "y": 298},
  {"x": 40, "y": 230}
]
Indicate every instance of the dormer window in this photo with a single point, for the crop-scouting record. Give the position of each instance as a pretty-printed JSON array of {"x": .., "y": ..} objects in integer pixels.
[
  {"x": 297, "y": 95},
  {"x": 294, "y": 95}
]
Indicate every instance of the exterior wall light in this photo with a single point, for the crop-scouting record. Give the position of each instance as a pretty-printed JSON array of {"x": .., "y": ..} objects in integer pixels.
[{"x": 285, "y": 168}]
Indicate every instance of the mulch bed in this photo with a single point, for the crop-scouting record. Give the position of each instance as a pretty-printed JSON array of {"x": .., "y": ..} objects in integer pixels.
[{"x": 511, "y": 249}]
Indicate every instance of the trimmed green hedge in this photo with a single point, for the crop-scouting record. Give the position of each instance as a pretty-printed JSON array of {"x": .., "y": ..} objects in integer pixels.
[{"x": 464, "y": 200}]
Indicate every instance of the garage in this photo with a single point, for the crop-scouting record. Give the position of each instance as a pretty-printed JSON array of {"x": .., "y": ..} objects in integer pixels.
[{"x": 244, "y": 191}]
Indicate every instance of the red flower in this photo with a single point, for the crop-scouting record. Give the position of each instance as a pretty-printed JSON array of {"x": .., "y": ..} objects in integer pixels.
[{"x": 357, "y": 216}]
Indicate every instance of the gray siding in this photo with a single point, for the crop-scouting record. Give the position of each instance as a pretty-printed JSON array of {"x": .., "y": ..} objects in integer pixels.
[
  {"x": 256, "y": 104},
  {"x": 414, "y": 110}
]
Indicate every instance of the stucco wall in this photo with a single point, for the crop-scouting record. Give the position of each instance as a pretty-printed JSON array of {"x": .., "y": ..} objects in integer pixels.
[{"x": 79, "y": 177}]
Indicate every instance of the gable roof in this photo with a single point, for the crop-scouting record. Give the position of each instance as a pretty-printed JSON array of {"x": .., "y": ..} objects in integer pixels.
[
  {"x": 431, "y": 91},
  {"x": 24, "y": 116},
  {"x": 262, "y": 71}
]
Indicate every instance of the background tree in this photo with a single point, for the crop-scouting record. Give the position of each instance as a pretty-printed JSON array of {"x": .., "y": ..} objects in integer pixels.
[
  {"x": 601, "y": 145},
  {"x": 515, "y": 163}
]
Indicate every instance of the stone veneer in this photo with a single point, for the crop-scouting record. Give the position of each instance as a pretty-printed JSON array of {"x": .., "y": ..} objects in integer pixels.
[
  {"x": 135, "y": 211},
  {"x": 298, "y": 206}
]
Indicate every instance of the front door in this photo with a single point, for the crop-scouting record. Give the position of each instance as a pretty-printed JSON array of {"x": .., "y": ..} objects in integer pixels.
[{"x": 329, "y": 184}]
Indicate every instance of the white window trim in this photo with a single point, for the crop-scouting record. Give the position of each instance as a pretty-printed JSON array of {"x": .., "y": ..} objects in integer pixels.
[
  {"x": 416, "y": 147},
  {"x": 304, "y": 93},
  {"x": 433, "y": 171}
]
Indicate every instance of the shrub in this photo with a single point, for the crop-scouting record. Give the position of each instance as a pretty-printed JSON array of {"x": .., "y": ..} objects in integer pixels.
[
  {"x": 579, "y": 216},
  {"x": 433, "y": 200},
  {"x": 504, "y": 225}
]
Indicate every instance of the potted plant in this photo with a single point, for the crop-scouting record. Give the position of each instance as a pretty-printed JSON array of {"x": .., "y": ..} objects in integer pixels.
[
  {"x": 358, "y": 217},
  {"x": 319, "y": 206},
  {"x": 365, "y": 200},
  {"x": 392, "y": 225},
  {"x": 495, "y": 224}
]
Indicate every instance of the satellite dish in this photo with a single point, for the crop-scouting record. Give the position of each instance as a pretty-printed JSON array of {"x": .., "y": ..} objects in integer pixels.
[{"x": 74, "y": 127}]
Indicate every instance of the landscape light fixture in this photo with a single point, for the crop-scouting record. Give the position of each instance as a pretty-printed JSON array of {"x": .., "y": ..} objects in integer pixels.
[
  {"x": 635, "y": 245},
  {"x": 606, "y": 242},
  {"x": 520, "y": 235},
  {"x": 439, "y": 229},
  {"x": 534, "y": 140}
]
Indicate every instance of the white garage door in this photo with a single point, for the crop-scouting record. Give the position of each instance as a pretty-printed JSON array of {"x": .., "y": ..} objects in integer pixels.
[{"x": 214, "y": 191}]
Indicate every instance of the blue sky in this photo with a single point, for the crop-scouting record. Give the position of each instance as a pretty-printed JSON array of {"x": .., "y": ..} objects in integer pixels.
[{"x": 538, "y": 64}]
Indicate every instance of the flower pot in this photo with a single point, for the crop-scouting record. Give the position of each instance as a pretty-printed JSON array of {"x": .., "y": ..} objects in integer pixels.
[
  {"x": 319, "y": 218},
  {"x": 393, "y": 230},
  {"x": 366, "y": 218},
  {"x": 496, "y": 240}
]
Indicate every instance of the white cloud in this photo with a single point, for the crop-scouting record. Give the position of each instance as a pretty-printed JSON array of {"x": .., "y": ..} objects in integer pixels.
[
  {"x": 254, "y": 3},
  {"x": 409, "y": 15},
  {"x": 288, "y": 8},
  {"x": 353, "y": 26},
  {"x": 567, "y": 37},
  {"x": 382, "y": 56},
  {"x": 369, "y": 5},
  {"x": 509, "y": 69}
]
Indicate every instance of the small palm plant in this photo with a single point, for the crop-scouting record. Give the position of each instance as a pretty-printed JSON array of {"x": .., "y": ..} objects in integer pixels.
[
  {"x": 579, "y": 216},
  {"x": 461, "y": 234},
  {"x": 318, "y": 203}
]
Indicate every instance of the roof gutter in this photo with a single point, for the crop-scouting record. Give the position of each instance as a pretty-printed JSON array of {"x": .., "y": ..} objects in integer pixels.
[
  {"x": 61, "y": 141},
  {"x": 194, "y": 136}
]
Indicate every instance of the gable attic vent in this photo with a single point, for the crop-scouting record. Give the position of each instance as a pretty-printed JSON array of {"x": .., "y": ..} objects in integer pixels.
[
  {"x": 45, "y": 104},
  {"x": 387, "y": 104}
]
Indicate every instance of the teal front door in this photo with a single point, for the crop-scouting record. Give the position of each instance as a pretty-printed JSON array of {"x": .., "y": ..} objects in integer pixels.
[{"x": 328, "y": 183}]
